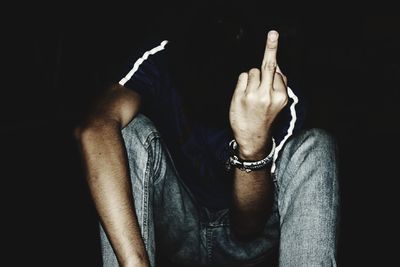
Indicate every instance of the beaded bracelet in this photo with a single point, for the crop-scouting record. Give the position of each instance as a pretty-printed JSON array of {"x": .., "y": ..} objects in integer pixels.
[{"x": 249, "y": 166}]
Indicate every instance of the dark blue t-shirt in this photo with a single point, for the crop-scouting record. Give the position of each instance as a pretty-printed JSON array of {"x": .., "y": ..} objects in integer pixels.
[{"x": 199, "y": 149}]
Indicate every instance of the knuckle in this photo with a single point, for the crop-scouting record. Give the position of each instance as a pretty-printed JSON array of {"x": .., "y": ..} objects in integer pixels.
[
  {"x": 251, "y": 97},
  {"x": 254, "y": 71},
  {"x": 265, "y": 99},
  {"x": 270, "y": 65},
  {"x": 272, "y": 46},
  {"x": 282, "y": 99},
  {"x": 285, "y": 102}
]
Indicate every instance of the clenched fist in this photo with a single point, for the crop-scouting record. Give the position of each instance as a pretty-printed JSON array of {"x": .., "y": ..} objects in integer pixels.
[{"x": 258, "y": 98}]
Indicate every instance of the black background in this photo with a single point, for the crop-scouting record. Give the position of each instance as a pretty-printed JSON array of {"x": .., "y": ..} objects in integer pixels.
[{"x": 57, "y": 59}]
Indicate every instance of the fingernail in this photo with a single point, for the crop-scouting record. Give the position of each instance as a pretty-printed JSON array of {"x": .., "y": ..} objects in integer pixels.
[{"x": 273, "y": 36}]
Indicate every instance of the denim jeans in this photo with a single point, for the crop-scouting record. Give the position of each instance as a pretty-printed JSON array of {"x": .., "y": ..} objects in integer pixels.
[{"x": 302, "y": 227}]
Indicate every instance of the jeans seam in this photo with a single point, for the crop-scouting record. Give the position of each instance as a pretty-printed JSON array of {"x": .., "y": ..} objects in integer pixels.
[
  {"x": 146, "y": 184},
  {"x": 145, "y": 200},
  {"x": 209, "y": 244},
  {"x": 145, "y": 204}
]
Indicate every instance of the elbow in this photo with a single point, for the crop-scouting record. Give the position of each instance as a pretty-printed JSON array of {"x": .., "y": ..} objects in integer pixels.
[
  {"x": 81, "y": 132},
  {"x": 84, "y": 135},
  {"x": 77, "y": 132},
  {"x": 82, "y": 128},
  {"x": 94, "y": 127}
]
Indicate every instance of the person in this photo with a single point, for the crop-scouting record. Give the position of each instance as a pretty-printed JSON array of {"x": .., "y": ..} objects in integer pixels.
[{"x": 179, "y": 174}]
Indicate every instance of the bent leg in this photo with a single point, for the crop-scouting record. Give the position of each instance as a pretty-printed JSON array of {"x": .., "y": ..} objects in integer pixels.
[
  {"x": 137, "y": 135},
  {"x": 308, "y": 201},
  {"x": 153, "y": 179}
]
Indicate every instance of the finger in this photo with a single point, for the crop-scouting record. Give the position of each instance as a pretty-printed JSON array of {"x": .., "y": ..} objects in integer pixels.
[
  {"x": 241, "y": 82},
  {"x": 253, "y": 81},
  {"x": 279, "y": 82},
  {"x": 269, "y": 61},
  {"x": 278, "y": 70}
]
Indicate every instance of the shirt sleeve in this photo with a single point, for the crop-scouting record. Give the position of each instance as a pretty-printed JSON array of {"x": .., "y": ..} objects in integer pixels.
[
  {"x": 291, "y": 119},
  {"x": 143, "y": 72}
]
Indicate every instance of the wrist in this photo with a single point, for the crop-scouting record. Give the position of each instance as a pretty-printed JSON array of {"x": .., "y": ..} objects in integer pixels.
[
  {"x": 247, "y": 162},
  {"x": 250, "y": 153}
]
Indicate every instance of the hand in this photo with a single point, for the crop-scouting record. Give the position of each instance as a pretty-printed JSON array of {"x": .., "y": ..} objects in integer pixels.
[{"x": 258, "y": 98}]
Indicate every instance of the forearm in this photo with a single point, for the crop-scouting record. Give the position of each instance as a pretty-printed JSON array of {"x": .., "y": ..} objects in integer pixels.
[
  {"x": 107, "y": 175},
  {"x": 252, "y": 198}
]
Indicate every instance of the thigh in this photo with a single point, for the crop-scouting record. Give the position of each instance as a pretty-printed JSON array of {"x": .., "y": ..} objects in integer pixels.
[
  {"x": 163, "y": 200},
  {"x": 307, "y": 176},
  {"x": 176, "y": 216}
]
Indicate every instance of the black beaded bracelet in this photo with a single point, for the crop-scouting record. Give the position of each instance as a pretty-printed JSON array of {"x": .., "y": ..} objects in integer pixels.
[{"x": 249, "y": 166}]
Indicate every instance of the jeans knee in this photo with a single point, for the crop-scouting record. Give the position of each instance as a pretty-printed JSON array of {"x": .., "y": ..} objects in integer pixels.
[
  {"x": 309, "y": 161},
  {"x": 319, "y": 138},
  {"x": 145, "y": 150},
  {"x": 139, "y": 130},
  {"x": 311, "y": 143},
  {"x": 319, "y": 147},
  {"x": 308, "y": 150}
]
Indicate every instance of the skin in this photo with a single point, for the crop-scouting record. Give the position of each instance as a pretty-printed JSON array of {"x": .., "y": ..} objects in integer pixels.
[
  {"x": 104, "y": 158},
  {"x": 259, "y": 96}
]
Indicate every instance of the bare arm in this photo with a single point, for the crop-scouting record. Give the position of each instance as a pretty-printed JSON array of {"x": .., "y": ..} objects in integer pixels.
[
  {"x": 258, "y": 98},
  {"x": 252, "y": 199},
  {"x": 106, "y": 166}
]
